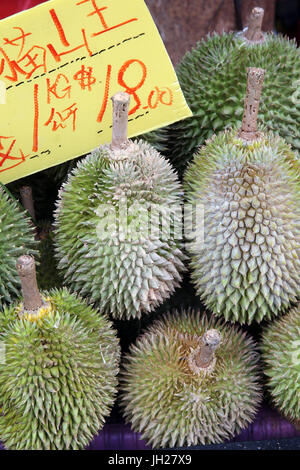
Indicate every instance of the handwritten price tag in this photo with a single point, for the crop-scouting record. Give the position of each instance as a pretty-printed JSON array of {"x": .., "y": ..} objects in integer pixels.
[{"x": 60, "y": 62}]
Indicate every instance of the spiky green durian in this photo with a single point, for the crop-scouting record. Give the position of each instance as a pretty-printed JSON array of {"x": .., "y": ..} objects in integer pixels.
[
  {"x": 58, "y": 380},
  {"x": 58, "y": 174},
  {"x": 213, "y": 82},
  {"x": 16, "y": 238},
  {"x": 109, "y": 244},
  {"x": 247, "y": 267},
  {"x": 176, "y": 392},
  {"x": 281, "y": 354}
]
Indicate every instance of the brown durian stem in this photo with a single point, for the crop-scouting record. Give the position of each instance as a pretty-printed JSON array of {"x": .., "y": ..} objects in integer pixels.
[
  {"x": 255, "y": 79},
  {"x": 27, "y": 200},
  {"x": 209, "y": 343},
  {"x": 203, "y": 358},
  {"x": 121, "y": 102},
  {"x": 254, "y": 30},
  {"x": 26, "y": 271}
]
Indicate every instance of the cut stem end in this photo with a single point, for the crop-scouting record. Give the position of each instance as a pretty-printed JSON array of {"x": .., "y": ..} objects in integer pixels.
[
  {"x": 26, "y": 271},
  {"x": 121, "y": 102},
  {"x": 255, "y": 79},
  {"x": 254, "y": 30},
  {"x": 202, "y": 359}
]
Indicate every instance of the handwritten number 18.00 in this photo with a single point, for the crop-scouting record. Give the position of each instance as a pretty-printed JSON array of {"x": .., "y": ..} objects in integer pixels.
[{"x": 157, "y": 96}]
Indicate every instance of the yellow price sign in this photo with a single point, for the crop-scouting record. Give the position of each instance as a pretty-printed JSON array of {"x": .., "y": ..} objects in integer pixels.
[{"x": 60, "y": 62}]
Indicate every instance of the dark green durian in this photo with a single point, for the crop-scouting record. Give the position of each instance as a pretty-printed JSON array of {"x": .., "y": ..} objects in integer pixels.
[
  {"x": 58, "y": 380},
  {"x": 16, "y": 238},
  {"x": 212, "y": 77},
  {"x": 123, "y": 264},
  {"x": 59, "y": 173},
  {"x": 177, "y": 392},
  {"x": 281, "y": 354},
  {"x": 247, "y": 266}
]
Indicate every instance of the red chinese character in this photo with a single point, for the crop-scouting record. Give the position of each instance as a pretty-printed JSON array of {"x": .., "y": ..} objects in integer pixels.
[
  {"x": 98, "y": 11},
  {"x": 14, "y": 41},
  {"x": 59, "y": 119},
  {"x": 85, "y": 78},
  {"x": 26, "y": 64},
  {"x": 57, "y": 56},
  {"x": 7, "y": 156},
  {"x": 36, "y": 58}
]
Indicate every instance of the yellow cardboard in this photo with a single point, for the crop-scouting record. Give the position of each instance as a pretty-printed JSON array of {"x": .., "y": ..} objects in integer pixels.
[{"x": 60, "y": 63}]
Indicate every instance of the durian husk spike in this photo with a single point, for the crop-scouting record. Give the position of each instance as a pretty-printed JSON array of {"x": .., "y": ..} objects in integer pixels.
[
  {"x": 255, "y": 79},
  {"x": 31, "y": 295},
  {"x": 120, "y": 102},
  {"x": 254, "y": 31},
  {"x": 202, "y": 359}
]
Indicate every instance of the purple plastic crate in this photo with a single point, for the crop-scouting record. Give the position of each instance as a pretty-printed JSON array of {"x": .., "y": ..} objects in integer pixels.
[{"x": 267, "y": 425}]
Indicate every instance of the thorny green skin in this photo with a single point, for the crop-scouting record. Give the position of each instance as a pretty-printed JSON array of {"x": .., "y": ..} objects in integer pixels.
[
  {"x": 213, "y": 79},
  {"x": 59, "y": 173},
  {"x": 123, "y": 276},
  {"x": 248, "y": 268},
  {"x": 280, "y": 348},
  {"x": 58, "y": 382},
  {"x": 170, "y": 405},
  {"x": 16, "y": 239}
]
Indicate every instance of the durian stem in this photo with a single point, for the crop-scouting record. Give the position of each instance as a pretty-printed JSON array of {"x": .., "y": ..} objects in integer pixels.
[
  {"x": 209, "y": 343},
  {"x": 255, "y": 79},
  {"x": 26, "y": 271},
  {"x": 121, "y": 102},
  {"x": 254, "y": 30},
  {"x": 27, "y": 200},
  {"x": 203, "y": 358}
]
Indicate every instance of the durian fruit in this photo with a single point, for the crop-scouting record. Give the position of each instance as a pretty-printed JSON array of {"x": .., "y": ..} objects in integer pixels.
[
  {"x": 117, "y": 225},
  {"x": 16, "y": 237},
  {"x": 213, "y": 82},
  {"x": 58, "y": 379},
  {"x": 247, "y": 267},
  {"x": 190, "y": 380},
  {"x": 58, "y": 174},
  {"x": 280, "y": 348}
]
